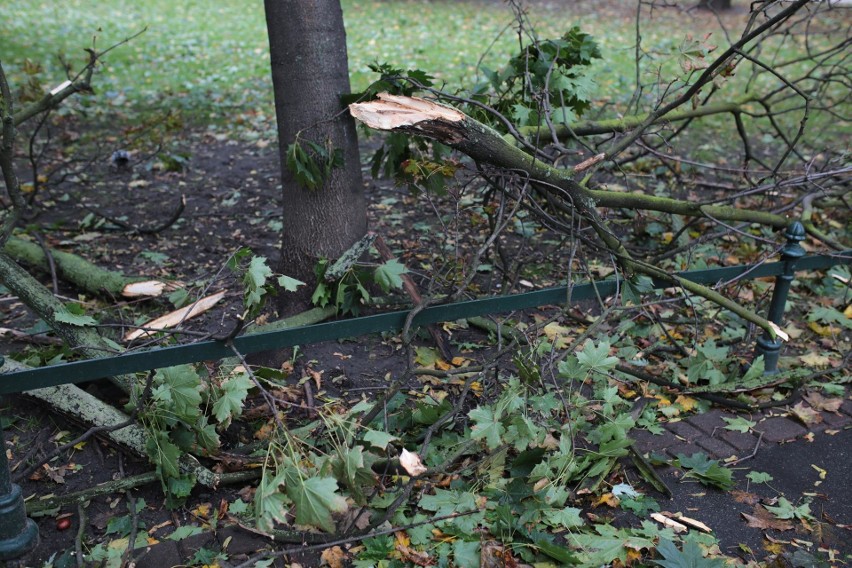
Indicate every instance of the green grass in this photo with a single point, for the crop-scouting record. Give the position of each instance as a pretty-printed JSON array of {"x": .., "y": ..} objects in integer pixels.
[{"x": 210, "y": 57}]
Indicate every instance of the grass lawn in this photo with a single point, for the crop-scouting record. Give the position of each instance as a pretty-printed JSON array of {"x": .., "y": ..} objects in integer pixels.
[{"x": 210, "y": 58}]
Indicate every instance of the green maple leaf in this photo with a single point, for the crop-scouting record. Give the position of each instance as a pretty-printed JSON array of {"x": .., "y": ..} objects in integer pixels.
[
  {"x": 446, "y": 502},
  {"x": 568, "y": 518},
  {"x": 786, "y": 510},
  {"x": 255, "y": 280},
  {"x": 706, "y": 471},
  {"x": 486, "y": 426},
  {"x": 184, "y": 389},
  {"x": 377, "y": 438},
  {"x": 165, "y": 454},
  {"x": 230, "y": 403},
  {"x": 608, "y": 544},
  {"x": 315, "y": 499},
  {"x": 690, "y": 557},
  {"x": 78, "y": 320},
  {"x": 759, "y": 477},
  {"x": 738, "y": 424},
  {"x": 389, "y": 275},
  {"x": 596, "y": 358},
  {"x": 270, "y": 503},
  {"x": 289, "y": 284}
]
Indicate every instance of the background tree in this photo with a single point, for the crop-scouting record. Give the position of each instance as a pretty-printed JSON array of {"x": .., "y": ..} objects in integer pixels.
[
  {"x": 310, "y": 74},
  {"x": 715, "y": 4}
]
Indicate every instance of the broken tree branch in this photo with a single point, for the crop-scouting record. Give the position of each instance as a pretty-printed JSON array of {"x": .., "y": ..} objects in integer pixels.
[{"x": 449, "y": 126}]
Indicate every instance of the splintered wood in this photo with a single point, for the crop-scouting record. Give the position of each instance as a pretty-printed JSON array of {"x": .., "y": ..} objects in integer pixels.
[
  {"x": 390, "y": 111},
  {"x": 176, "y": 317}
]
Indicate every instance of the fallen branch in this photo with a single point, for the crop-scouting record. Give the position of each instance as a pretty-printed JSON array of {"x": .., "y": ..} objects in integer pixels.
[
  {"x": 43, "y": 506},
  {"x": 82, "y": 273},
  {"x": 484, "y": 145}
]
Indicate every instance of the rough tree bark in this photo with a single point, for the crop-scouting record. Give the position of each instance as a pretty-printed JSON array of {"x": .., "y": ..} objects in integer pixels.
[{"x": 307, "y": 44}]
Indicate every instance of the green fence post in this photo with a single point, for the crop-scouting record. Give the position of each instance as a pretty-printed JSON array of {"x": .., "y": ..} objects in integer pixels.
[
  {"x": 18, "y": 534},
  {"x": 790, "y": 253}
]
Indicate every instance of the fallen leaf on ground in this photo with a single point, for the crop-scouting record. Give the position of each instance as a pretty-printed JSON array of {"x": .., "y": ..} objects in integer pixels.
[
  {"x": 805, "y": 414},
  {"x": 815, "y": 360},
  {"x": 745, "y": 497},
  {"x": 415, "y": 557},
  {"x": 819, "y": 402},
  {"x": 686, "y": 402},
  {"x": 333, "y": 557},
  {"x": 411, "y": 463},
  {"x": 558, "y": 335},
  {"x": 763, "y": 519},
  {"x": 607, "y": 499}
]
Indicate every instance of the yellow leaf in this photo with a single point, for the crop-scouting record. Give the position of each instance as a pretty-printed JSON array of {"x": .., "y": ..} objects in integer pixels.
[
  {"x": 823, "y": 330},
  {"x": 557, "y": 334},
  {"x": 443, "y": 365},
  {"x": 686, "y": 402},
  {"x": 774, "y": 548},
  {"x": 80, "y": 446},
  {"x": 202, "y": 511},
  {"x": 402, "y": 538},
  {"x": 607, "y": 499},
  {"x": 815, "y": 360},
  {"x": 848, "y": 311},
  {"x": 459, "y": 361}
]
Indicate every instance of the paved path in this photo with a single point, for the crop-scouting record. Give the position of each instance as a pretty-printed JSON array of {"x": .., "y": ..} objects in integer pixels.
[{"x": 813, "y": 463}]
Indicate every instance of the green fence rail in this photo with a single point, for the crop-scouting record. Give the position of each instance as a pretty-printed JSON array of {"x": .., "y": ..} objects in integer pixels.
[{"x": 156, "y": 358}]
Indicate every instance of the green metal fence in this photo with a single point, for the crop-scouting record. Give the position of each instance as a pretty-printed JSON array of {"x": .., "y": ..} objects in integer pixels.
[{"x": 792, "y": 260}]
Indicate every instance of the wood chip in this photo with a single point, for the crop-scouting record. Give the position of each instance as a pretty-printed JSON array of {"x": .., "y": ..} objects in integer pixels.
[
  {"x": 667, "y": 522},
  {"x": 147, "y": 288},
  {"x": 176, "y": 317}
]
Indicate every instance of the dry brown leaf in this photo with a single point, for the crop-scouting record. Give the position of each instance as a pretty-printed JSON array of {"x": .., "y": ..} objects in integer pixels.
[
  {"x": 745, "y": 497},
  {"x": 805, "y": 414},
  {"x": 763, "y": 519},
  {"x": 415, "y": 557},
  {"x": 333, "y": 557},
  {"x": 819, "y": 402}
]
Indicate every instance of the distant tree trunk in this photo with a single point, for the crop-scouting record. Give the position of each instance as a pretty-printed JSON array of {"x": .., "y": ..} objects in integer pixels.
[
  {"x": 310, "y": 72},
  {"x": 715, "y": 4}
]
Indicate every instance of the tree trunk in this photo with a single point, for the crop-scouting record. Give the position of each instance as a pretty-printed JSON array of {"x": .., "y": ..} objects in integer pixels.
[{"x": 310, "y": 73}]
